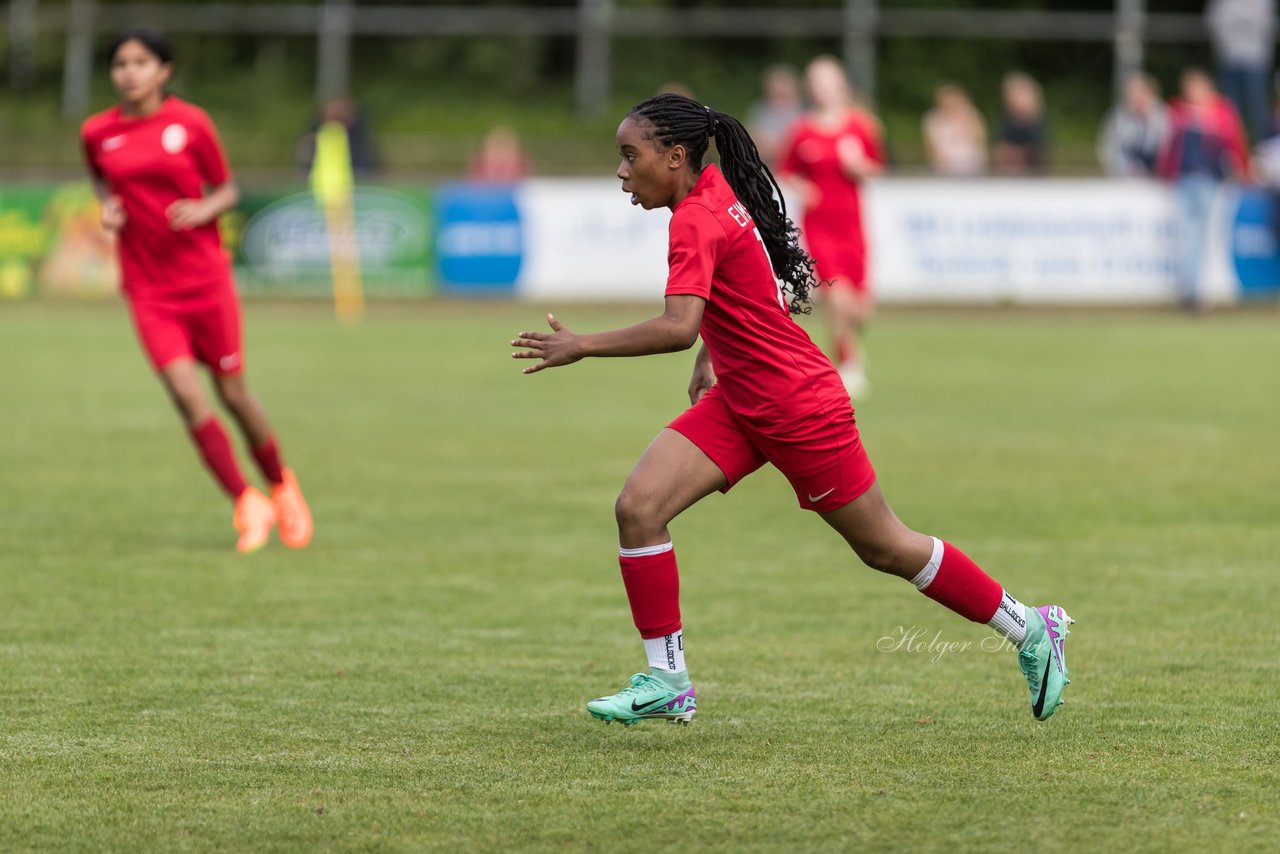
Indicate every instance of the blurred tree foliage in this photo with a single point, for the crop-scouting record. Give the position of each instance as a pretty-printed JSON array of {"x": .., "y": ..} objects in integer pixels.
[{"x": 431, "y": 97}]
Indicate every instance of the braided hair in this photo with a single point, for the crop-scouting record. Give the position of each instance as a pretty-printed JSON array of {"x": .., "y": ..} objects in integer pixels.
[{"x": 678, "y": 120}]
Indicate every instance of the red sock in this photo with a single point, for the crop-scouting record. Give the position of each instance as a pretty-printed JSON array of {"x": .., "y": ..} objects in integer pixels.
[
  {"x": 653, "y": 589},
  {"x": 961, "y": 585},
  {"x": 843, "y": 351},
  {"x": 268, "y": 457},
  {"x": 215, "y": 450}
]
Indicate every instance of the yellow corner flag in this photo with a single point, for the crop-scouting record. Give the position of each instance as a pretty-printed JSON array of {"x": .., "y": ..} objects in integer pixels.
[{"x": 333, "y": 186}]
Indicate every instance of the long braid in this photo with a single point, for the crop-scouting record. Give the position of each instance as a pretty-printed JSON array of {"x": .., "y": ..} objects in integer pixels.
[{"x": 678, "y": 120}]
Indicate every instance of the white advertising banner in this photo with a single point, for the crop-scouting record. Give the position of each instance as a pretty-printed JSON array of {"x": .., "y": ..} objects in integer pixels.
[
  {"x": 938, "y": 240},
  {"x": 1020, "y": 241},
  {"x": 585, "y": 240}
]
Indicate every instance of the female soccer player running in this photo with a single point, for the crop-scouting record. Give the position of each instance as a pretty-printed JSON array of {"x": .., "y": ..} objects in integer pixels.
[
  {"x": 761, "y": 392},
  {"x": 830, "y": 152},
  {"x": 151, "y": 158}
]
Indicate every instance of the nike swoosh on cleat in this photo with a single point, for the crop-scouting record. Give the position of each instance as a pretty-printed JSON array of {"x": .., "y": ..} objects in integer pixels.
[
  {"x": 636, "y": 708},
  {"x": 1044, "y": 685}
]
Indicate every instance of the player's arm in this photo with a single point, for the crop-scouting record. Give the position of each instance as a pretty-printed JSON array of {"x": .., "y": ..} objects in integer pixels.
[
  {"x": 113, "y": 215},
  {"x": 704, "y": 375},
  {"x": 185, "y": 214},
  {"x": 791, "y": 174},
  {"x": 211, "y": 164},
  {"x": 859, "y": 158},
  {"x": 674, "y": 330}
]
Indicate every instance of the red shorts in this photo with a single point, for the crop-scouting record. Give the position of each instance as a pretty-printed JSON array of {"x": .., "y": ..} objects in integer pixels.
[
  {"x": 821, "y": 455},
  {"x": 207, "y": 330}
]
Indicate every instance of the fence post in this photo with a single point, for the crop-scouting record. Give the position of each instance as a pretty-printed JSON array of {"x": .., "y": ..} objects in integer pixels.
[
  {"x": 1128, "y": 42},
  {"x": 860, "y": 45},
  {"x": 23, "y": 26},
  {"x": 77, "y": 64},
  {"x": 595, "y": 43},
  {"x": 333, "y": 50}
]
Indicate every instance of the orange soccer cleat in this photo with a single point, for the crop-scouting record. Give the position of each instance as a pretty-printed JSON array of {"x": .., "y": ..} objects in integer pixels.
[
  {"x": 254, "y": 518},
  {"x": 291, "y": 508}
]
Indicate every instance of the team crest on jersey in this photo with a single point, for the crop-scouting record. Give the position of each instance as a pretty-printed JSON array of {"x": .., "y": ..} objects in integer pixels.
[{"x": 174, "y": 139}]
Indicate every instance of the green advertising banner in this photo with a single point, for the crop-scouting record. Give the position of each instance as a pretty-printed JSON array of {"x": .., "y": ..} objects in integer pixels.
[
  {"x": 280, "y": 242},
  {"x": 52, "y": 242}
]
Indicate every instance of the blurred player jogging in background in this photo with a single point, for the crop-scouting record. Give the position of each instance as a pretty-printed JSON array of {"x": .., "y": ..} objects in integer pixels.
[
  {"x": 151, "y": 158},
  {"x": 762, "y": 392},
  {"x": 830, "y": 152}
]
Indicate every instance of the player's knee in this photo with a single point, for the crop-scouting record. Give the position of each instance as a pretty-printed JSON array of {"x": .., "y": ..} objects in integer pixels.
[
  {"x": 637, "y": 513},
  {"x": 885, "y": 555},
  {"x": 232, "y": 392},
  {"x": 190, "y": 400},
  {"x": 878, "y": 556}
]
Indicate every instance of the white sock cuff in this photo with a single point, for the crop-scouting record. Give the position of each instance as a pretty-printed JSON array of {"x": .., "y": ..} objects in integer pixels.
[
  {"x": 925, "y": 577},
  {"x": 646, "y": 551},
  {"x": 1010, "y": 619},
  {"x": 666, "y": 653}
]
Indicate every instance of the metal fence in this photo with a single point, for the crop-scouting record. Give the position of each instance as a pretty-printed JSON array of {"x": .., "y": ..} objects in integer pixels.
[{"x": 594, "y": 24}]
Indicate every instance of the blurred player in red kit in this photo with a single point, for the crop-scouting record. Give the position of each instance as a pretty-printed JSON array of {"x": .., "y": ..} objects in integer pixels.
[
  {"x": 761, "y": 392},
  {"x": 830, "y": 152},
  {"x": 162, "y": 177}
]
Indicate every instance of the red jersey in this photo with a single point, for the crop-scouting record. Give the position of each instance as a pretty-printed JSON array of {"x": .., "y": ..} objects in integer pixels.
[
  {"x": 1222, "y": 145},
  {"x": 151, "y": 162},
  {"x": 832, "y": 223},
  {"x": 768, "y": 369}
]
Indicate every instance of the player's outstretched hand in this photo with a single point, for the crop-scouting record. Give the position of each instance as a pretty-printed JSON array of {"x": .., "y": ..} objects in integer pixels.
[
  {"x": 113, "y": 215},
  {"x": 186, "y": 214},
  {"x": 552, "y": 349}
]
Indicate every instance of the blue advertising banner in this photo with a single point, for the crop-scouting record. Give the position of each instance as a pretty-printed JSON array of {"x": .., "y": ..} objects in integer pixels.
[
  {"x": 1255, "y": 243},
  {"x": 479, "y": 238}
]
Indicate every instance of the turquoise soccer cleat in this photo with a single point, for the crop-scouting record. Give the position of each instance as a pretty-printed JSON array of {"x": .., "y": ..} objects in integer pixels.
[
  {"x": 645, "y": 697},
  {"x": 1043, "y": 658}
]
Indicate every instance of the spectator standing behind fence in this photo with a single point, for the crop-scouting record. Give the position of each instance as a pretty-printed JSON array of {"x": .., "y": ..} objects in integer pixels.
[
  {"x": 955, "y": 136},
  {"x": 1267, "y": 171},
  {"x": 1134, "y": 130},
  {"x": 1266, "y": 167},
  {"x": 832, "y": 150},
  {"x": 364, "y": 156},
  {"x": 501, "y": 159},
  {"x": 1204, "y": 145},
  {"x": 770, "y": 119},
  {"x": 1022, "y": 144},
  {"x": 1244, "y": 37}
]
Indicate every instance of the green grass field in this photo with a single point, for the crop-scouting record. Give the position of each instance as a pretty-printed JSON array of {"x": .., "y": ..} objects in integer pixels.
[{"x": 416, "y": 679}]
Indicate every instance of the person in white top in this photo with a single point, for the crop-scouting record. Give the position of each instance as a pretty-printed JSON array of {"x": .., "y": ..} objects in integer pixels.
[
  {"x": 1244, "y": 39},
  {"x": 955, "y": 136},
  {"x": 1134, "y": 130}
]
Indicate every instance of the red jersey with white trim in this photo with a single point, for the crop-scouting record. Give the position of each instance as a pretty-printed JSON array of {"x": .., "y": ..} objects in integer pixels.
[
  {"x": 150, "y": 162},
  {"x": 768, "y": 369}
]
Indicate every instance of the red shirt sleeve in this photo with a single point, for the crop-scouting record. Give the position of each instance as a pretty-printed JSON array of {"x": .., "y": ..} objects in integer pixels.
[
  {"x": 789, "y": 163},
  {"x": 695, "y": 245},
  {"x": 89, "y": 149},
  {"x": 873, "y": 142},
  {"x": 206, "y": 150}
]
